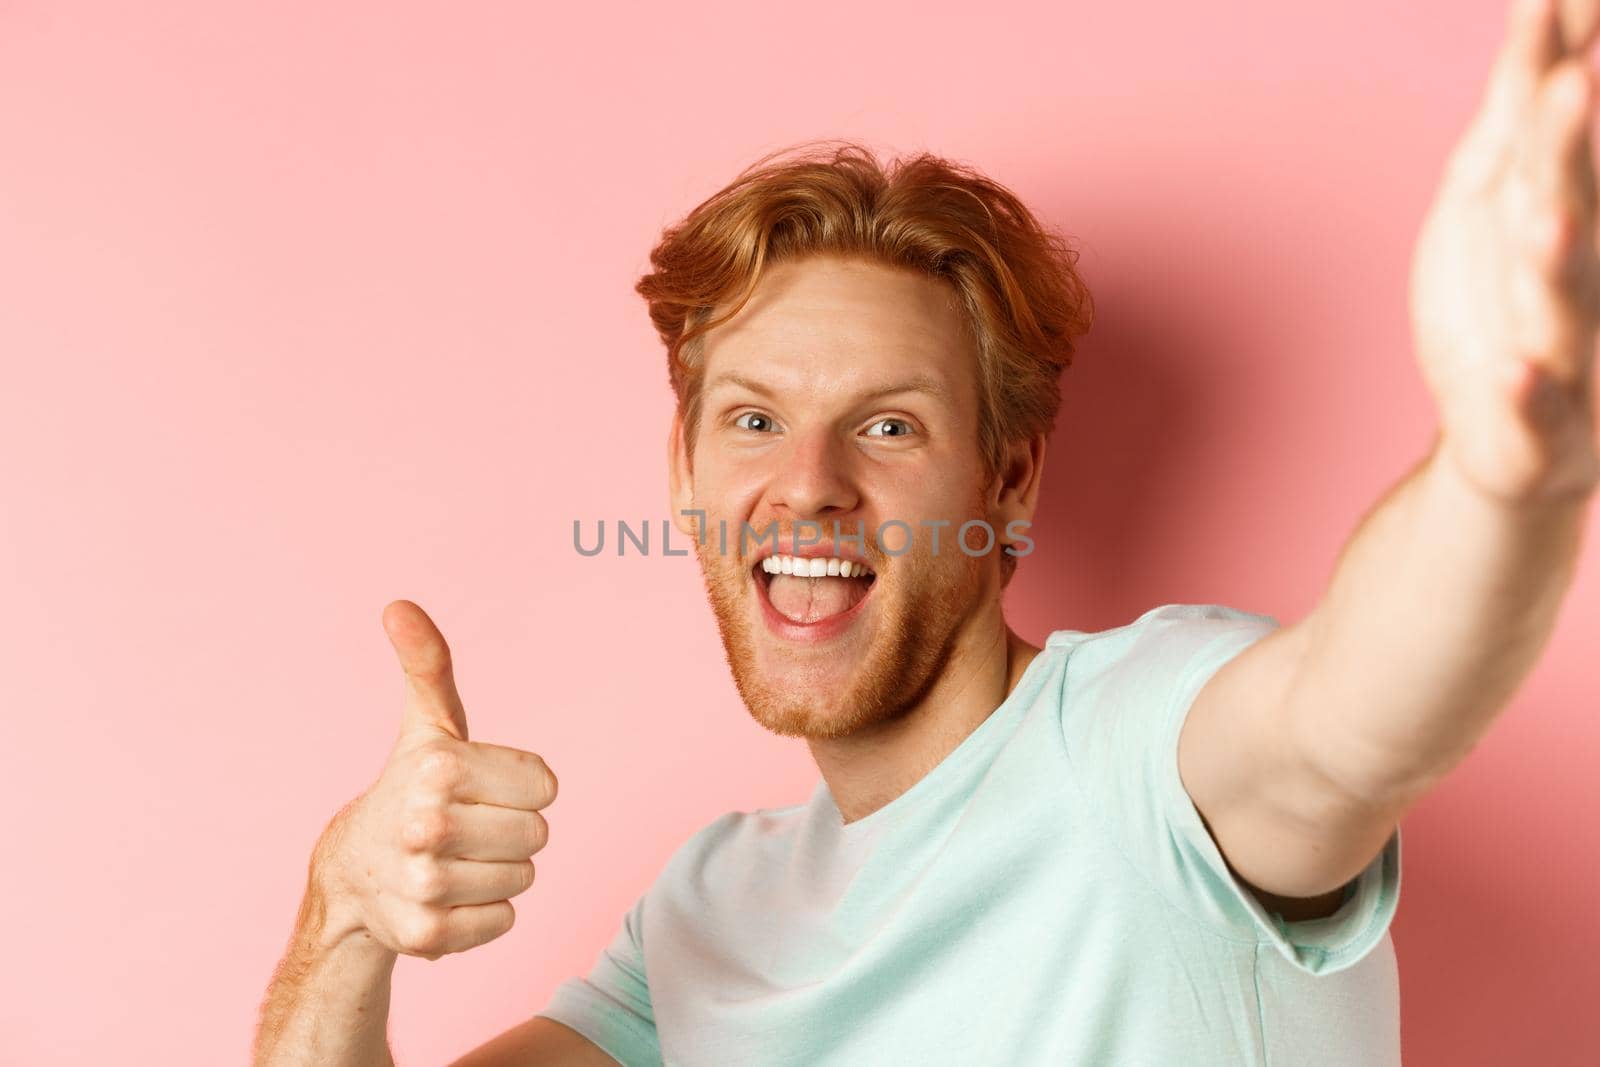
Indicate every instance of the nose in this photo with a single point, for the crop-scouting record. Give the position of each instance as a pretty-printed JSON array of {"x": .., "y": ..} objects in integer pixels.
[{"x": 813, "y": 481}]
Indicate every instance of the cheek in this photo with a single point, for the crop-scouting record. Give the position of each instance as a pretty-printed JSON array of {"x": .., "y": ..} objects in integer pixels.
[
  {"x": 936, "y": 510},
  {"x": 717, "y": 480},
  {"x": 932, "y": 495},
  {"x": 722, "y": 489}
]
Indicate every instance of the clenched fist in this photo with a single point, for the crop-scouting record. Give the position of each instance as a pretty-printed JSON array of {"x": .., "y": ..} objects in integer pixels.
[{"x": 427, "y": 860}]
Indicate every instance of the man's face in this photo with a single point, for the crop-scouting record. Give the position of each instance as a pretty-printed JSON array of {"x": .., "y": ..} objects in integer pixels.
[{"x": 846, "y": 392}]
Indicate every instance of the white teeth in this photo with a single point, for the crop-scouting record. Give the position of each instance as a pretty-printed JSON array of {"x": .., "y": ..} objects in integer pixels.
[{"x": 813, "y": 566}]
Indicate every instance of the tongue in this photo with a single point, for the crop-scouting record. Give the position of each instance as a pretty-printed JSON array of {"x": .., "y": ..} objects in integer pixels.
[{"x": 810, "y": 599}]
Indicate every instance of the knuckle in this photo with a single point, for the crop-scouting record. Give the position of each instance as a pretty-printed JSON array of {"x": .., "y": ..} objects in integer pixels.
[
  {"x": 527, "y": 875},
  {"x": 440, "y": 767},
  {"x": 422, "y": 933},
  {"x": 427, "y": 830},
  {"x": 425, "y": 881}
]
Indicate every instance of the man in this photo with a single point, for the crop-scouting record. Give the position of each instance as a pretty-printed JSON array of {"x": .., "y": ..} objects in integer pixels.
[{"x": 1170, "y": 842}]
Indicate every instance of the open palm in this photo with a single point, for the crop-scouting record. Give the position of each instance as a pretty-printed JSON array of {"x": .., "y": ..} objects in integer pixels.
[{"x": 1505, "y": 280}]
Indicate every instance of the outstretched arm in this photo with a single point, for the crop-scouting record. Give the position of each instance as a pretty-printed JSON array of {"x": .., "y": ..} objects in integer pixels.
[{"x": 1302, "y": 752}]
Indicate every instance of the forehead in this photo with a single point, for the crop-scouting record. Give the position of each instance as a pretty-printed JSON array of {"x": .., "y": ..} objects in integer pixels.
[{"x": 844, "y": 323}]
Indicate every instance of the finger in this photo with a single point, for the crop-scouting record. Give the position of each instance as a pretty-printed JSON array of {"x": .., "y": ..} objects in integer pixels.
[
  {"x": 471, "y": 925},
  {"x": 1550, "y": 325},
  {"x": 434, "y": 932},
  {"x": 1551, "y": 197},
  {"x": 490, "y": 832},
  {"x": 482, "y": 773},
  {"x": 481, "y": 882},
  {"x": 1532, "y": 44},
  {"x": 477, "y": 832},
  {"x": 508, "y": 777},
  {"x": 431, "y": 697},
  {"x": 1556, "y": 144}
]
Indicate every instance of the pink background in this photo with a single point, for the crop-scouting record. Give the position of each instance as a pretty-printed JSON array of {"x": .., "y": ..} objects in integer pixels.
[{"x": 308, "y": 307}]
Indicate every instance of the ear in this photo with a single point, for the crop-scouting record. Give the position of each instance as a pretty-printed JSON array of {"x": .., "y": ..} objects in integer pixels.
[
  {"x": 680, "y": 477},
  {"x": 1014, "y": 493}
]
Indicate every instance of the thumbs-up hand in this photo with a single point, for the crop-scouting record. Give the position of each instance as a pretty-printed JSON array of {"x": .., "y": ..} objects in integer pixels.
[{"x": 427, "y": 859}]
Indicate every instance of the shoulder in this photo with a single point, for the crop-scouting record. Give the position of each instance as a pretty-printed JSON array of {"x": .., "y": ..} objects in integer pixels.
[
  {"x": 1119, "y": 686},
  {"x": 1170, "y": 632}
]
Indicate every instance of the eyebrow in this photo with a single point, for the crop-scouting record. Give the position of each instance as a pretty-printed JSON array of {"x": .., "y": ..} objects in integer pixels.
[{"x": 920, "y": 383}]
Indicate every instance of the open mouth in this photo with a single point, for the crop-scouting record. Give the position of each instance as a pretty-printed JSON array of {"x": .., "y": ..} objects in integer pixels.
[{"x": 806, "y": 590}]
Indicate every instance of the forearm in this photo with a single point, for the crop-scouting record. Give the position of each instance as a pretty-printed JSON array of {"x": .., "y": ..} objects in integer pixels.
[
  {"x": 328, "y": 1002},
  {"x": 1439, "y": 606}
]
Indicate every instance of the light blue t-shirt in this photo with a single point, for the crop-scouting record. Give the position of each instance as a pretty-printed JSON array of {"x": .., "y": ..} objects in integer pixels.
[{"x": 1046, "y": 895}]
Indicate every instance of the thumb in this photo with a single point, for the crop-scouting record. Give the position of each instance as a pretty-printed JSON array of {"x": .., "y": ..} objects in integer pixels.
[{"x": 432, "y": 702}]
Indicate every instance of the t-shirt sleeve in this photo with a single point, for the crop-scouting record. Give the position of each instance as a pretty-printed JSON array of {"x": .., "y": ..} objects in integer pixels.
[
  {"x": 1122, "y": 720},
  {"x": 611, "y": 1005}
]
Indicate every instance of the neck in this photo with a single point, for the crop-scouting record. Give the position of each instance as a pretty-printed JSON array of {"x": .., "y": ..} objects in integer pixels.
[{"x": 873, "y": 766}]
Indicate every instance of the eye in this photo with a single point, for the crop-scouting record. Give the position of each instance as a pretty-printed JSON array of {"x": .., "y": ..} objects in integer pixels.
[
  {"x": 755, "y": 422},
  {"x": 889, "y": 428}
]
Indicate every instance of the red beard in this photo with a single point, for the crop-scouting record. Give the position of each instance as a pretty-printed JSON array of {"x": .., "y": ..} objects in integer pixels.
[{"x": 900, "y": 645}]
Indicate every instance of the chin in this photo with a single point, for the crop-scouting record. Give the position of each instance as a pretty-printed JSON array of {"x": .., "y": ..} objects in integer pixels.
[
  {"x": 816, "y": 715},
  {"x": 798, "y": 691},
  {"x": 821, "y": 673}
]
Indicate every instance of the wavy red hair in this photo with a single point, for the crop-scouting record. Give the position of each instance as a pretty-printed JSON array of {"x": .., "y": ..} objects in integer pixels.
[{"x": 1015, "y": 280}]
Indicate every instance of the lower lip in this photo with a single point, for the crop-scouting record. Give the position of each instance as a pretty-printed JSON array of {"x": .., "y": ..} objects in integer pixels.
[{"x": 809, "y": 632}]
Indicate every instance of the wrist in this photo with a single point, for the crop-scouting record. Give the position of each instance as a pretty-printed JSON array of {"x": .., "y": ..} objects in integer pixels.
[
  {"x": 330, "y": 923},
  {"x": 330, "y": 916},
  {"x": 1447, "y": 474},
  {"x": 1519, "y": 470}
]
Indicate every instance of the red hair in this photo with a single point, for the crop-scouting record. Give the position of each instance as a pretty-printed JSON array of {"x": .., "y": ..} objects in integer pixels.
[{"x": 1015, "y": 280}]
